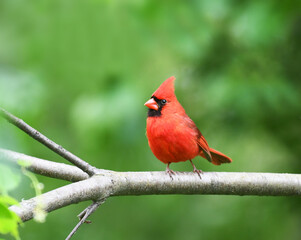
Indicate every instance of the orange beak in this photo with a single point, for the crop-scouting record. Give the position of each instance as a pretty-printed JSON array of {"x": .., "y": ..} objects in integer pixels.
[{"x": 152, "y": 104}]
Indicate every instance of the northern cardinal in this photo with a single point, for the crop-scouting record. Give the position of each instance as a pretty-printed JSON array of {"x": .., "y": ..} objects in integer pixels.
[{"x": 172, "y": 135}]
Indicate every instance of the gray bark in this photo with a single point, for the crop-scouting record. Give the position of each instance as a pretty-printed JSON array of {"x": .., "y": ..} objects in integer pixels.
[
  {"x": 97, "y": 185},
  {"x": 44, "y": 167},
  {"x": 86, "y": 167},
  {"x": 110, "y": 183}
]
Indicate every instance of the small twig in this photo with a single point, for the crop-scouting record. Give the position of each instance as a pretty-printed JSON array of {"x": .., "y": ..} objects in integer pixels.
[
  {"x": 84, "y": 215},
  {"x": 86, "y": 167}
]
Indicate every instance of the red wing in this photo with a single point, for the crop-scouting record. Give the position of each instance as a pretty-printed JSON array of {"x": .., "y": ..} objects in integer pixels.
[
  {"x": 204, "y": 146},
  {"x": 205, "y": 150}
]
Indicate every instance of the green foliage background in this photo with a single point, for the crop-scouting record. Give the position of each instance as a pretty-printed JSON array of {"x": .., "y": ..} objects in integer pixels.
[{"x": 80, "y": 72}]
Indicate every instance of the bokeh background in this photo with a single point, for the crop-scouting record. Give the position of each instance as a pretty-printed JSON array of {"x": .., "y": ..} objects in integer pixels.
[{"x": 80, "y": 72}]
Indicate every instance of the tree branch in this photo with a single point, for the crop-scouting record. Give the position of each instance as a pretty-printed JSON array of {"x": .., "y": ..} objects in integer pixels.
[
  {"x": 86, "y": 167},
  {"x": 44, "y": 167},
  {"x": 147, "y": 183},
  {"x": 93, "y": 188},
  {"x": 104, "y": 184}
]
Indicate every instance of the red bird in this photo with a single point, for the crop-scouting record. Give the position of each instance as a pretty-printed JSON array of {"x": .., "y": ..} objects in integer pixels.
[{"x": 172, "y": 135}]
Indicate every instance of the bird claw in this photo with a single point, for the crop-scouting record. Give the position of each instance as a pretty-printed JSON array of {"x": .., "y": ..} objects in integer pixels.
[
  {"x": 195, "y": 170},
  {"x": 169, "y": 171},
  {"x": 199, "y": 172}
]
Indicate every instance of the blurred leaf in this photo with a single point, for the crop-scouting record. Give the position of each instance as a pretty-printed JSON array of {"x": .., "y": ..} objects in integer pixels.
[
  {"x": 5, "y": 199},
  {"x": 8, "y": 220}
]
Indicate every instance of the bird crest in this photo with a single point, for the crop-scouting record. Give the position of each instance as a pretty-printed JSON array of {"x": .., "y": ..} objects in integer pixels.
[{"x": 166, "y": 89}]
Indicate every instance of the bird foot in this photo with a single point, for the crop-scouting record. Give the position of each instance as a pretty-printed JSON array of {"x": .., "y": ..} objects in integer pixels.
[
  {"x": 199, "y": 172},
  {"x": 195, "y": 170},
  {"x": 170, "y": 172}
]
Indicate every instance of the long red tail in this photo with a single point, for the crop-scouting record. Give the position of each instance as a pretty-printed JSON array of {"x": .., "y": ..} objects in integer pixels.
[{"x": 217, "y": 158}]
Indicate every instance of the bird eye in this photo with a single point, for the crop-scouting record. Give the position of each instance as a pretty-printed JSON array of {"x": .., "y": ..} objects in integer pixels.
[{"x": 163, "y": 101}]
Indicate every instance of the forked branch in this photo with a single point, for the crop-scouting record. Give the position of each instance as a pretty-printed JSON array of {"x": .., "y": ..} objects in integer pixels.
[
  {"x": 148, "y": 183},
  {"x": 84, "y": 215},
  {"x": 104, "y": 183}
]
